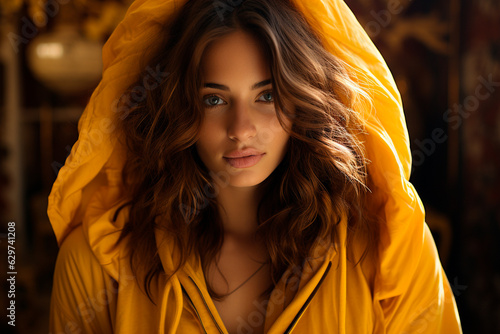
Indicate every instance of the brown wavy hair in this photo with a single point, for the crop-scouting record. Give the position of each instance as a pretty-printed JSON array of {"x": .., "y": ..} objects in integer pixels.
[{"x": 321, "y": 177}]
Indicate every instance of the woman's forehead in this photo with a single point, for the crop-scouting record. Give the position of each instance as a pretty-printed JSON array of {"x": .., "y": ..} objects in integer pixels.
[{"x": 238, "y": 52}]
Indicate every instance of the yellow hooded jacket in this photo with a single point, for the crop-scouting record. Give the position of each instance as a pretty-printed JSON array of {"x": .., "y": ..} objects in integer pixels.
[{"x": 95, "y": 292}]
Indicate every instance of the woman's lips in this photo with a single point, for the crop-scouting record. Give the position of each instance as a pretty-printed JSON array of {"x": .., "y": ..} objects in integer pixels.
[{"x": 244, "y": 162}]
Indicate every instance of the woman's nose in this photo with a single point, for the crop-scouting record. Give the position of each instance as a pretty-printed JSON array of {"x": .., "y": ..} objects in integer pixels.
[{"x": 241, "y": 125}]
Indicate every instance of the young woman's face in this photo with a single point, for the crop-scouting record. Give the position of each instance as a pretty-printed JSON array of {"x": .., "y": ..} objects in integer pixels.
[{"x": 241, "y": 140}]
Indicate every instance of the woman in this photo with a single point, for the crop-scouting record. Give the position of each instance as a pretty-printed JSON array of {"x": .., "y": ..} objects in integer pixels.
[{"x": 231, "y": 176}]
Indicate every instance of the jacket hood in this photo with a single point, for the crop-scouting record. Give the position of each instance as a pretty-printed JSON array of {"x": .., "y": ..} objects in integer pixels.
[{"x": 88, "y": 187}]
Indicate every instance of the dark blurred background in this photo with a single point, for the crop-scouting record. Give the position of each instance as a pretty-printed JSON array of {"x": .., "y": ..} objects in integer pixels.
[{"x": 445, "y": 58}]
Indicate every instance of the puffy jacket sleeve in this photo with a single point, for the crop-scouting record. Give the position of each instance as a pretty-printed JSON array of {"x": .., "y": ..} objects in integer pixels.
[
  {"x": 428, "y": 305},
  {"x": 83, "y": 295}
]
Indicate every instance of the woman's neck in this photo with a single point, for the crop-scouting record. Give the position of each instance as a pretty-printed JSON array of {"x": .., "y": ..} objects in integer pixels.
[{"x": 238, "y": 210}]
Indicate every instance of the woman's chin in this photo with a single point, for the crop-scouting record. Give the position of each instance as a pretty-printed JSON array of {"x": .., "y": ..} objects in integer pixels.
[{"x": 245, "y": 181}]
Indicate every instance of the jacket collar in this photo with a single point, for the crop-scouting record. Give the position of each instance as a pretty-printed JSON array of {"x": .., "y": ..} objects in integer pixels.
[{"x": 289, "y": 299}]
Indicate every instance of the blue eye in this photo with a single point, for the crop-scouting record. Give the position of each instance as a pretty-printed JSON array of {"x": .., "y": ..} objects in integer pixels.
[
  {"x": 212, "y": 101},
  {"x": 268, "y": 97}
]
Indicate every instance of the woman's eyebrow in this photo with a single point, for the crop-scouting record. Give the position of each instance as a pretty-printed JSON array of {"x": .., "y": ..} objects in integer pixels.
[
  {"x": 226, "y": 88},
  {"x": 261, "y": 84}
]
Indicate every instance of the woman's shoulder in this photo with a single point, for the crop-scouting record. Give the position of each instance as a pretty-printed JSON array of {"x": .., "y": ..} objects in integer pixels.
[
  {"x": 79, "y": 282},
  {"x": 75, "y": 251},
  {"x": 77, "y": 262}
]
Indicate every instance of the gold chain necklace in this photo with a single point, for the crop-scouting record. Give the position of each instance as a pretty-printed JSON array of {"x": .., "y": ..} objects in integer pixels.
[{"x": 239, "y": 286}]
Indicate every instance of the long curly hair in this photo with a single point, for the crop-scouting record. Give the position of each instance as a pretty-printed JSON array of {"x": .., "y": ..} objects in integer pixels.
[{"x": 321, "y": 178}]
